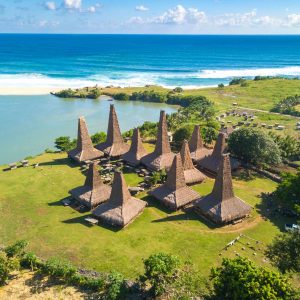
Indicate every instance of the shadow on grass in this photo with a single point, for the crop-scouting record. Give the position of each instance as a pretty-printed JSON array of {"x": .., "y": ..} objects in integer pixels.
[
  {"x": 39, "y": 283},
  {"x": 270, "y": 211},
  {"x": 59, "y": 162},
  {"x": 246, "y": 175}
]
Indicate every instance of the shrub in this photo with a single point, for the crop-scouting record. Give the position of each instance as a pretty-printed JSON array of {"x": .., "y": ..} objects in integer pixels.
[
  {"x": 178, "y": 90},
  {"x": 121, "y": 96},
  {"x": 115, "y": 286},
  {"x": 236, "y": 81},
  {"x": 158, "y": 177},
  {"x": 4, "y": 268},
  {"x": 59, "y": 268},
  {"x": 64, "y": 143},
  {"x": 30, "y": 260},
  {"x": 221, "y": 85},
  {"x": 94, "y": 94},
  {"x": 98, "y": 137},
  {"x": 160, "y": 271},
  {"x": 241, "y": 279},
  {"x": 16, "y": 249},
  {"x": 181, "y": 134},
  {"x": 209, "y": 134}
]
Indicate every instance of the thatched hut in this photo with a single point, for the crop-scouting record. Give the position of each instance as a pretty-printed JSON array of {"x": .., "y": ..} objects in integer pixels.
[
  {"x": 174, "y": 193},
  {"x": 196, "y": 146},
  {"x": 191, "y": 174},
  {"x": 221, "y": 206},
  {"x": 121, "y": 208},
  {"x": 211, "y": 163},
  {"x": 162, "y": 156},
  {"x": 94, "y": 191},
  {"x": 136, "y": 151},
  {"x": 84, "y": 150},
  {"x": 114, "y": 146}
]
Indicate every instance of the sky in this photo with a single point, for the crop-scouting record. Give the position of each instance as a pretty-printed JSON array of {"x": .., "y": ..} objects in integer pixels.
[{"x": 151, "y": 16}]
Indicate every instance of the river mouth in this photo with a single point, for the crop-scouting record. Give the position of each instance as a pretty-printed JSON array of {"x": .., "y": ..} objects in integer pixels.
[{"x": 30, "y": 124}]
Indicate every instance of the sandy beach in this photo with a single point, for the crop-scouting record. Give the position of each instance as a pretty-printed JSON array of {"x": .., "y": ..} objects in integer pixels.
[{"x": 27, "y": 90}]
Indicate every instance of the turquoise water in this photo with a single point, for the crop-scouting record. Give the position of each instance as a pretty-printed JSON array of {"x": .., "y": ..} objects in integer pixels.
[{"x": 30, "y": 124}]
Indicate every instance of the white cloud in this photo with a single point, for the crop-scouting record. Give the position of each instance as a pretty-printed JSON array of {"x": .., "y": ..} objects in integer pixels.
[
  {"x": 46, "y": 23},
  {"x": 91, "y": 9},
  {"x": 141, "y": 8},
  {"x": 72, "y": 4},
  {"x": 293, "y": 20},
  {"x": 177, "y": 16},
  {"x": 247, "y": 19},
  {"x": 50, "y": 5}
]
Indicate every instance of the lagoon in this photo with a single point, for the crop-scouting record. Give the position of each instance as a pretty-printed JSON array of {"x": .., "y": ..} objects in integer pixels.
[{"x": 30, "y": 124}]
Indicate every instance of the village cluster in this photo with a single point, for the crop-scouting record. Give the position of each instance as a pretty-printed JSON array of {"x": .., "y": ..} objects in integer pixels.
[{"x": 115, "y": 205}]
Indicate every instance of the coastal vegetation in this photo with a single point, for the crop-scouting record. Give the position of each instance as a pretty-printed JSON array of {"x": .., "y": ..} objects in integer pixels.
[{"x": 288, "y": 106}]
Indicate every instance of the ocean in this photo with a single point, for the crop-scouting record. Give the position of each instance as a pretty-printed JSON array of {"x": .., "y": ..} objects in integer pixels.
[
  {"x": 136, "y": 60},
  {"x": 29, "y": 124}
]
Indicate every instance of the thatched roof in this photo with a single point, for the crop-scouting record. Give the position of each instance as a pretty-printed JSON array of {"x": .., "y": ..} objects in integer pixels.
[
  {"x": 174, "y": 193},
  {"x": 191, "y": 174},
  {"x": 114, "y": 145},
  {"x": 94, "y": 191},
  {"x": 221, "y": 205},
  {"x": 136, "y": 151},
  {"x": 162, "y": 156},
  {"x": 84, "y": 150},
  {"x": 197, "y": 148},
  {"x": 212, "y": 162},
  {"x": 121, "y": 208}
]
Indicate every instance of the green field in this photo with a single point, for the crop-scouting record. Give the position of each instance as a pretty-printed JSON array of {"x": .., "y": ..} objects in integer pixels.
[{"x": 30, "y": 209}]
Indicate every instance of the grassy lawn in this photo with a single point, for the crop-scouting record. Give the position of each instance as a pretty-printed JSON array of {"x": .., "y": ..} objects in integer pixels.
[{"x": 30, "y": 209}]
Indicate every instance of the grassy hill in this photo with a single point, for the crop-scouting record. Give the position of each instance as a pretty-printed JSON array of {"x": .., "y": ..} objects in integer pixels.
[{"x": 30, "y": 209}]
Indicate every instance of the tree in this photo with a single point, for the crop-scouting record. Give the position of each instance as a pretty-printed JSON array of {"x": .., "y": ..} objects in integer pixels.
[
  {"x": 284, "y": 252},
  {"x": 98, "y": 137},
  {"x": 64, "y": 143},
  {"x": 221, "y": 85},
  {"x": 181, "y": 134},
  {"x": 254, "y": 146},
  {"x": 241, "y": 279},
  {"x": 287, "y": 193},
  {"x": 209, "y": 134},
  {"x": 160, "y": 271}
]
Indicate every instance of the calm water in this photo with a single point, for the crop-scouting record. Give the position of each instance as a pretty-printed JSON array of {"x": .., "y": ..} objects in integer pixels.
[
  {"x": 136, "y": 60},
  {"x": 29, "y": 124}
]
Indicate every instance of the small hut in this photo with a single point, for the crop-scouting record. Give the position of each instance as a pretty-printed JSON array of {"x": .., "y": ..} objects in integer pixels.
[
  {"x": 136, "y": 151},
  {"x": 84, "y": 150},
  {"x": 121, "y": 208},
  {"x": 197, "y": 148},
  {"x": 161, "y": 157},
  {"x": 191, "y": 174},
  {"x": 94, "y": 191},
  {"x": 211, "y": 163},
  {"x": 114, "y": 146},
  {"x": 174, "y": 193},
  {"x": 221, "y": 206}
]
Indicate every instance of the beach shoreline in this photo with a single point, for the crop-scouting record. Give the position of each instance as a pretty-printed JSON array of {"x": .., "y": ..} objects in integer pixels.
[{"x": 27, "y": 91}]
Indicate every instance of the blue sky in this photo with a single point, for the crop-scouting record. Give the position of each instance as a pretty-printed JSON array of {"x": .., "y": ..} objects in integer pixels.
[{"x": 161, "y": 16}]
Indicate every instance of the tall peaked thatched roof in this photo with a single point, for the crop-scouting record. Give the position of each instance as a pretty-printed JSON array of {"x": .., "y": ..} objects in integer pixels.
[
  {"x": 174, "y": 193},
  {"x": 212, "y": 162},
  {"x": 114, "y": 145},
  {"x": 94, "y": 191},
  {"x": 191, "y": 174},
  {"x": 221, "y": 205},
  {"x": 196, "y": 146},
  {"x": 136, "y": 151},
  {"x": 121, "y": 208},
  {"x": 84, "y": 150},
  {"x": 161, "y": 157}
]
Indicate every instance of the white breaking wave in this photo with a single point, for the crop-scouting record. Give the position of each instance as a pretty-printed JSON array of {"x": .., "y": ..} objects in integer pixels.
[
  {"x": 170, "y": 80},
  {"x": 215, "y": 74}
]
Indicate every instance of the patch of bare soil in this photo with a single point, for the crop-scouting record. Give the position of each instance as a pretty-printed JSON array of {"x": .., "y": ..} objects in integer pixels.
[{"x": 29, "y": 285}]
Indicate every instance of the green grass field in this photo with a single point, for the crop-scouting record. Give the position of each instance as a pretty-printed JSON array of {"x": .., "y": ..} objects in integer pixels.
[{"x": 30, "y": 209}]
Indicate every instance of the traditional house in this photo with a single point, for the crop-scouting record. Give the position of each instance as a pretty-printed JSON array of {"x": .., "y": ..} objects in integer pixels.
[
  {"x": 174, "y": 193},
  {"x": 136, "y": 151},
  {"x": 211, "y": 163},
  {"x": 196, "y": 146},
  {"x": 94, "y": 191},
  {"x": 162, "y": 156},
  {"x": 191, "y": 174},
  {"x": 221, "y": 205},
  {"x": 114, "y": 146},
  {"x": 84, "y": 150},
  {"x": 121, "y": 208}
]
